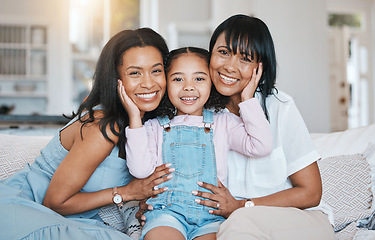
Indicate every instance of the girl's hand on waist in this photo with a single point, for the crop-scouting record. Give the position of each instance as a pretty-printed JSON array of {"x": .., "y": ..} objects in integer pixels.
[{"x": 220, "y": 199}]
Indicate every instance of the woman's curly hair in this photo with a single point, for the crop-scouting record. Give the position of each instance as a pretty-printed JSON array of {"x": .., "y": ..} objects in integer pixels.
[{"x": 215, "y": 102}]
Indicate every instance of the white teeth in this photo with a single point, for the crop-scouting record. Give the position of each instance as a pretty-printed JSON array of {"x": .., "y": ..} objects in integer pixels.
[
  {"x": 146, "y": 95},
  {"x": 189, "y": 98},
  {"x": 232, "y": 80}
]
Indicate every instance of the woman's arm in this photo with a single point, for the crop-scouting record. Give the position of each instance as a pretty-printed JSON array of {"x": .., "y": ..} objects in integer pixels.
[
  {"x": 85, "y": 155},
  {"x": 305, "y": 193}
]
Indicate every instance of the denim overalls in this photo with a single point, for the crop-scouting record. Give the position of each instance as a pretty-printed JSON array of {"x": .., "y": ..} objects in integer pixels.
[{"x": 191, "y": 152}]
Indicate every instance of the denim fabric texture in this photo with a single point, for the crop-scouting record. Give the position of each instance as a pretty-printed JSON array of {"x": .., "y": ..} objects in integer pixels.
[{"x": 190, "y": 150}]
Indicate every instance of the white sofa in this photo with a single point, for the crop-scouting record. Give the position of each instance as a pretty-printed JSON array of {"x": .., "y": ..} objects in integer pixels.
[{"x": 347, "y": 168}]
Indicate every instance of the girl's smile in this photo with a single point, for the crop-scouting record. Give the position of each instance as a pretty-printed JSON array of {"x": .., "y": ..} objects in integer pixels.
[{"x": 189, "y": 84}]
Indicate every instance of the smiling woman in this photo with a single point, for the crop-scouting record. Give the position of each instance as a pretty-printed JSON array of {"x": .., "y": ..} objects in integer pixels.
[
  {"x": 142, "y": 75},
  {"x": 267, "y": 197},
  {"x": 223, "y": 64},
  {"x": 83, "y": 168}
]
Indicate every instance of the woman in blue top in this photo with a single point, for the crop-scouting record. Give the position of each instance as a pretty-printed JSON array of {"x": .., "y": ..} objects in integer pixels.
[{"x": 83, "y": 167}]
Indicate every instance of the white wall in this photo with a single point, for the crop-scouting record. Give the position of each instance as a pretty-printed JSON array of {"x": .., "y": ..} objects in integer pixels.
[
  {"x": 55, "y": 15},
  {"x": 299, "y": 29}
]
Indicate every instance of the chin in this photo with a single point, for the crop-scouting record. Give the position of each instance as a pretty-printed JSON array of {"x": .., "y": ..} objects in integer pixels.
[
  {"x": 148, "y": 108},
  {"x": 226, "y": 91}
]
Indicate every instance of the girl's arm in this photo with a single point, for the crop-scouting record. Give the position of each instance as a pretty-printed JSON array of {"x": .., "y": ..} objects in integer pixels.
[
  {"x": 141, "y": 160},
  {"x": 253, "y": 137},
  {"x": 141, "y": 150}
]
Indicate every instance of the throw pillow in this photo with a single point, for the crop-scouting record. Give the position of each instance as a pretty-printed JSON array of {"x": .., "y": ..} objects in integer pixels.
[{"x": 347, "y": 187}]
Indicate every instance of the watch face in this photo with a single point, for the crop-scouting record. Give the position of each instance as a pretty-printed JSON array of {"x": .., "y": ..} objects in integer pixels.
[
  {"x": 249, "y": 204},
  {"x": 117, "y": 199}
]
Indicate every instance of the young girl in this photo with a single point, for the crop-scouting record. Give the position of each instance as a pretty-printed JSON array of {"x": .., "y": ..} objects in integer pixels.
[{"x": 195, "y": 142}]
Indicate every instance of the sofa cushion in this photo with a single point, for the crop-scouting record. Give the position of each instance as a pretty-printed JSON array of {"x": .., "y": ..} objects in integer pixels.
[
  {"x": 18, "y": 150},
  {"x": 347, "y": 187}
]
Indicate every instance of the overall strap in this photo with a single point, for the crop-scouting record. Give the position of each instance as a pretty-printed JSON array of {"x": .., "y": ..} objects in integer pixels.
[
  {"x": 208, "y": 116},
  {"x": 208, "y": 120},
  {"x": 164, "y": 121}
]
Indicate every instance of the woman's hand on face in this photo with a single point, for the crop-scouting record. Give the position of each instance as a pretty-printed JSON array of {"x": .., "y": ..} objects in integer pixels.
[
  {"x": 220, "y": 198},
  {"x": 139, "y": 189},
  {"x": 249, "y": 90},
  {"x": 129, "y": 105}
]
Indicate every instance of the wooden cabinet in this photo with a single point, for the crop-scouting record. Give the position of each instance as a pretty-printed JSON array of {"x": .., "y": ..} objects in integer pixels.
[{"x": 23, "y": 67}]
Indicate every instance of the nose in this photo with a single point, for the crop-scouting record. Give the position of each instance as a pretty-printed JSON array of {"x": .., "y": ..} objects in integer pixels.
[
  {"x": 147, "y": 82},
  {"x": 230, "y": 64},
  {"x": 188, "y": 86}
]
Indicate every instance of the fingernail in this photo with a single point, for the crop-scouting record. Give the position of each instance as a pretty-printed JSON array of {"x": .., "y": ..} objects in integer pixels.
[
  {"x": 197, "y": 200},
  {"x": 171, "y": 170},
  {"x": 168, "y": 164},
  {"x": 210, "y": 211},
  {"x": 200, "y": 183},
  {"x": 194, "y": 192},
  {"x": 150, "y": 207},
  {"x": 169, "y": 176},
  {"x": 165, "y": 189},
  {"x": 143, "y": 218}
]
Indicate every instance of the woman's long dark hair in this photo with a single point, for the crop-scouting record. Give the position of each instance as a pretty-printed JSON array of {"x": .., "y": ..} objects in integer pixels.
[
  {"x": 215, "y": 101},
  {"x": 251, "y": 35},
  {"x": 104, "y": 91}
]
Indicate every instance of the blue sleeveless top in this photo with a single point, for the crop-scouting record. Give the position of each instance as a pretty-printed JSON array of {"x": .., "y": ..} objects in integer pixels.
[{"x": 33, "y": 180}]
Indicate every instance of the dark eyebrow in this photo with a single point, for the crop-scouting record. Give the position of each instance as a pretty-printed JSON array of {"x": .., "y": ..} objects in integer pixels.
[
  {"x": 137, "y": 67},
  {"x": 201, "y": 73},
  {"x": 157, "y": 64},
  {"x": 226, "y": 47},
  {"x": 176, "y": 73}
]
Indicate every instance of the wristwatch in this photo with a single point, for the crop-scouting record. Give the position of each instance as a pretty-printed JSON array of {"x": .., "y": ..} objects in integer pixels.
[
  {"x": 117, "y": 199},
  {"x": 249, "y": 203}
]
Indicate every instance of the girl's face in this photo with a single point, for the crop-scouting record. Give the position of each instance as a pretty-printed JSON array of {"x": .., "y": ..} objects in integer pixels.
[
  {"x": 189, "y": 84},
  {"x": 142, "y": 74},
  {"x": 230, "y": 72}
]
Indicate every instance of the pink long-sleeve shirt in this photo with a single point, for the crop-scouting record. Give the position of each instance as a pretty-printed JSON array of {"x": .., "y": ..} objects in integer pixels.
[{"x": 249, "y": 134}]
